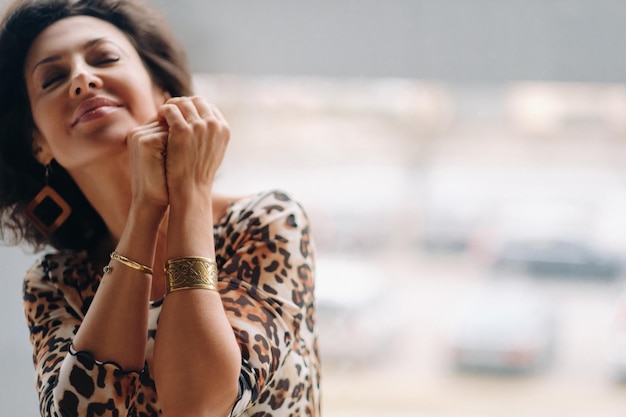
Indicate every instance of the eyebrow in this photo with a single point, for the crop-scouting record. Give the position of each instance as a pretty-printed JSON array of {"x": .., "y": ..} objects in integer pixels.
[{"x": 54, "y": 58}]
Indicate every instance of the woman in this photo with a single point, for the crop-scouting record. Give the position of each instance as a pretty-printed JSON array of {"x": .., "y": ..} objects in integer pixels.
[{"x": 107, "y": 158}]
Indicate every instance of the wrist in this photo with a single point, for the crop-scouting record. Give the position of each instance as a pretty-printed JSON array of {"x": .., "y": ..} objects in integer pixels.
[
  {"x": 189, "y": 197},
  {"x": 147, "y": 215},
  {"x": 140, "y": 234},
  {"x": 190, "y": 227}
]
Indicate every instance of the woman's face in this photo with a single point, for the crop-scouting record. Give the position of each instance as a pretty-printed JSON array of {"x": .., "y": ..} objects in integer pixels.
[{"x": 87, "y": 88}]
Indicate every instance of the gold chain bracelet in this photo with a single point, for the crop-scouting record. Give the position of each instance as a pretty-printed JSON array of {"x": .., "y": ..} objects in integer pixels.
[{"x": 190, "y": 272}]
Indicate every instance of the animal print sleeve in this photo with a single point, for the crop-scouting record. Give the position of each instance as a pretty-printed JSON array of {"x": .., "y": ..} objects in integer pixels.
[
  {"x": 266, "y": 283},
  {"x": 69, "y": 383}
]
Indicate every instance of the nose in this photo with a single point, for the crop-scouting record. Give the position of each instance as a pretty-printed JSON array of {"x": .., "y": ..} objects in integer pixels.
[
  {"x": 83, "y": 81},
  {"x": 79, "y": 90}
]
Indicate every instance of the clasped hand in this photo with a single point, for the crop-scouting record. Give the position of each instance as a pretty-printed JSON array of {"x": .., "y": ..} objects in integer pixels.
[{"x": 176, "y": 156}]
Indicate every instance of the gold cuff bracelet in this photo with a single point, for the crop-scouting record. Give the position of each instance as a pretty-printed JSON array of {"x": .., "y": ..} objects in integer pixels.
[{"x": 190, "y": 272}]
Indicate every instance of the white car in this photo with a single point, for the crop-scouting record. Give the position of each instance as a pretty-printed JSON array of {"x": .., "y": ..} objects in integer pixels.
[
  {"x": 353, "y": 326},
  {"x": 616, "y": 342},
  {"x": 505, "y": 326},
  {"x": 617, "y": 356}
]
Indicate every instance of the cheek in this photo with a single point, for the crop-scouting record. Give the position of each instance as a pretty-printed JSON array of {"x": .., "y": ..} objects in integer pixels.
[
  {"x": 45, "y": 110},
  {"x": 42, "y": 119},
  {"x": 48, "y": 122},
  {"x": 147, "y": 104}
]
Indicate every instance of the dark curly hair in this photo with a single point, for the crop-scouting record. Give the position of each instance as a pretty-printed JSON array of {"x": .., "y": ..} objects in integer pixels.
[{"x": 21, "y": 176}]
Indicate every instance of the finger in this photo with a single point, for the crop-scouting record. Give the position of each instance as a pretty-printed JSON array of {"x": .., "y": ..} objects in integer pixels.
[
  {"x": 154, "y": 125},
  {"x": 186, "y": 107},
  {"x": 173, "y": 116},
  {"x": 151, "y": 124},
  {"x": 160, "y": 128},
  {"x": 149, "y": 132},
  {"x": 206, "y": 110},
  {"x": 211, "y": 115}
]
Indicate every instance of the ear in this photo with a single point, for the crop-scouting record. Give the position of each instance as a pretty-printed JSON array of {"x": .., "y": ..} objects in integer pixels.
[{"x": 41, "y": 149}]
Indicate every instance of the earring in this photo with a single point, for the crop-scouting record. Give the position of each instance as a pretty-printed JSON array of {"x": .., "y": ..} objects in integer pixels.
[{"x": 48, "y": 210}]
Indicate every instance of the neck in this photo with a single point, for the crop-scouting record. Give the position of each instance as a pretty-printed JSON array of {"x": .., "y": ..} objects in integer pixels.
[{"x": 107, "y": 188}]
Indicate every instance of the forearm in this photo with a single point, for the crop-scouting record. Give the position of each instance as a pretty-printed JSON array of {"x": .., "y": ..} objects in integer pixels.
[
  {"x": 197, "y": 360},
  {"x": 115, "y": 327}
]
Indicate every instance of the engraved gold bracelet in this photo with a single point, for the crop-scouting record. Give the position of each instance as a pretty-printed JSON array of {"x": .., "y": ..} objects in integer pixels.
[
  {"x": 128, "y": 262},
  {"x": 190, "y": 272}
]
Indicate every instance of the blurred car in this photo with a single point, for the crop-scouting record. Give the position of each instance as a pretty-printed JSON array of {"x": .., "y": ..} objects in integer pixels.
[
  {"x": 447, "y": 232},
  {"x": 503, "y": 327},
  {"x": 616, "y": 342},
  {"x": 616, "y": 356},
  {"x": 559, "y": 257},
  {"x": 352, "y": 311}
]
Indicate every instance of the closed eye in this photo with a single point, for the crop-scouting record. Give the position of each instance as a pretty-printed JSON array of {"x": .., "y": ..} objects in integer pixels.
[
  {"x": 48, "y": 81},
  {"x": 107, "y": 60}
]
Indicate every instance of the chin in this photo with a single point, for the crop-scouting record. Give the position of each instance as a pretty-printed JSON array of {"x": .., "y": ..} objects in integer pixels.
[{"x": 108, "y": 132}]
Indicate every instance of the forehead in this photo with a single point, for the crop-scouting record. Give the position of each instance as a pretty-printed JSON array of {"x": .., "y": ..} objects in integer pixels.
[{"x": 73, "y": 33}]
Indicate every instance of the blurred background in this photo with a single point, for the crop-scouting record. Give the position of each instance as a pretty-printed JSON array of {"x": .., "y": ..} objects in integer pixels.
[{"x": 463, "y": 165}]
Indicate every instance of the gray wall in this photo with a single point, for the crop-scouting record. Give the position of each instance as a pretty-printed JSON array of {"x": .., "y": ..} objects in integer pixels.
[
  {"x": 453, "y": 40},
  {"x": 17, "y": 381}
]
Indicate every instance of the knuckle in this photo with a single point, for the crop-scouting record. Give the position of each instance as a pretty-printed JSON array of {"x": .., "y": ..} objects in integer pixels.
[
  {"x": 198, "y": 124},
  {"x": 181, "y": 128},
  {"x": 174, "y": 100},
  {"x": 225, "y": 130},
  {"x": 211, "y": 123},
  {"x": 223, "y": 127},
  {"x": 200, "y": 100},
  {"x": 167, "y": 108},
  {"x": 134, "y": 132}
]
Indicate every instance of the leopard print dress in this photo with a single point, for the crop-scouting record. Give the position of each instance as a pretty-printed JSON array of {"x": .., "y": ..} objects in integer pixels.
[{"x": 266, "y": 282}]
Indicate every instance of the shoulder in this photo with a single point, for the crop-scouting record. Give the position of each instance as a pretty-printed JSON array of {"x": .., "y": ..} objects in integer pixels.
[
  {"x": 62, "y": 273},
  {"x": 266, "y": 207},
  {"x": 52, "y": 264},
  {"x": 266, "y": 224}
]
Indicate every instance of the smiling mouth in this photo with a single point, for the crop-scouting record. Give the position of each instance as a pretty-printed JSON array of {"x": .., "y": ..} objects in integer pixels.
[
  {"x": 95, "y": 114},
  {"x": 93, "y": 109}
]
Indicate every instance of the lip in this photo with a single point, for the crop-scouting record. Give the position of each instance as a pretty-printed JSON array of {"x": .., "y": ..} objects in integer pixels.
[{"x": 93, "y": 108}]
